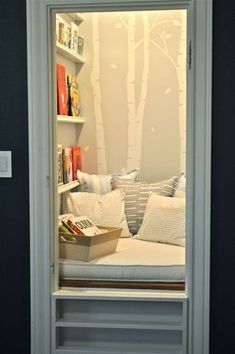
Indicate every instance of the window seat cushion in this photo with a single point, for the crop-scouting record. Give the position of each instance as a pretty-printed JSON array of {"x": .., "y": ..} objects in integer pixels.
[{"x": 134, "y": 260}]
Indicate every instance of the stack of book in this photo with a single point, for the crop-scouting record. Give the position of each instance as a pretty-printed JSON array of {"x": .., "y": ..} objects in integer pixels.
[
  {"x": 68, "y": 35},
  {"x": 68, "y": 96},
  {"x": 68, "y": 163},
  {"x": 78, "y": 225}
]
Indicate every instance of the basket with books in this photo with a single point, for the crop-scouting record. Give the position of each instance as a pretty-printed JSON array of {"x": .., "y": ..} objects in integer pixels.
[{"x": 81, "y": 239}]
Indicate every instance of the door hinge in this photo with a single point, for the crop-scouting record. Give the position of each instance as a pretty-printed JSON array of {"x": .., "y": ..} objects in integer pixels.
[
  {"x": 53, "y": 268},
  {"x": 190, "y": 55}
]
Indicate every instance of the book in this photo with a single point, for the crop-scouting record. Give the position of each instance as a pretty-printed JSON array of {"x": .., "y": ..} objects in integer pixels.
[
  {"x": 74, "y": 37},
  {"x": 69, "y": 223},
  {"x": 62, "y": 99},
  {"x": 67, "y": 165},
  {"x": 58, "y": 20},
  {"x": 76, "y": 160},
  {"x": 63, "y": 228},
  {"x": 73, "y": 96},
  {"x": 82, "y": 225},
  {"x": 64, "y": 33},
  {"x": 66, "y": 224},
  {"x": 80, "y": 45},
  {"x": 59, "y": 164}
]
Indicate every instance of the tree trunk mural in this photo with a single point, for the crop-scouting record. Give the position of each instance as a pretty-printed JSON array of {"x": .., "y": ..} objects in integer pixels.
[
  {"x": 136, "y": 110},
  {"x": 136, "y": 115},
  {"x": 95, "y": 81},
  {"x": 131, "y": 91},
  {"x": 143, "y": 94}
]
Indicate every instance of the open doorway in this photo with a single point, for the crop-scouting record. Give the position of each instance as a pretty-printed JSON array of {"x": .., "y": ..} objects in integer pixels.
[
  {"x": 121, "y": 138},
  {"x": 51, "y": 329}
]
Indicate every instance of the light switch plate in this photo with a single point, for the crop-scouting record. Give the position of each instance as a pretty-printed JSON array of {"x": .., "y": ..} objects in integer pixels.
[{"x": 5, "y": 164}]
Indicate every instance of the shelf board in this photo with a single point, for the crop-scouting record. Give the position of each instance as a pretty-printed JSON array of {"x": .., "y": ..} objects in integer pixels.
[
  {"x": 82, "y": 349},
  {"x": 69, "y": 119},
  {"x": 67, "y": 187},
  {"x": 119, "y": 295},
  {"x": 69, "y": 54},
  {"x": 170, "y": 326}
]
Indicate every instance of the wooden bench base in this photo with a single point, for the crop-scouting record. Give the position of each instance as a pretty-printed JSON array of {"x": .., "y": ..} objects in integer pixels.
[{"x": 122, "y": 284}]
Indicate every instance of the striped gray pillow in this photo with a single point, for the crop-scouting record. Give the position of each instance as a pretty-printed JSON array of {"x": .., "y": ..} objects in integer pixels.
[
  {"x": 100, "y": 184},
  {"x": 136, "y": 197}
]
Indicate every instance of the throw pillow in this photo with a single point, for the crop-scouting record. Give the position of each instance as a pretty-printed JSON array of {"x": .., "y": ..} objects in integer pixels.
[
  {"x": 181, "y": 185},
  {"x": 103, "y": 210},
  {"x": 132, "y": 175},
  {"x": 136, "y": 197},
  {"x": 92, "y": 183},
  {"x": 164, "y": 221}
]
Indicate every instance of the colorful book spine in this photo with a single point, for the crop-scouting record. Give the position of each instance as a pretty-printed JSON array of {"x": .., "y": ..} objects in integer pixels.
[
  {"x": 73, "y": 96},
  {"x": 76, "y": 160},
  {"x": 86, "y": 226},
  {"x": 64, "y": 222},
  {"x": 64, "y": 33},
  {"x": 59, "y": 165},
  {"x": 74, "y": 37},
  {"x": 67, "y": 165},
  {"x": 80, "y": 225},
  {"x": 80, "y": 45},
  {"x": 62, "y": 99},
  {"x": 74, "y": 227}
]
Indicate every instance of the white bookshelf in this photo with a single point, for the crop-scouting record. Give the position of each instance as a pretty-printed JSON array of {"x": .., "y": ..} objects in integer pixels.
[
  {"x": 86, "y": 324},
  {"x": 67, "y": 187},
  {"x": 69, "y": 54},
  {"x": 69, "y": 119}
]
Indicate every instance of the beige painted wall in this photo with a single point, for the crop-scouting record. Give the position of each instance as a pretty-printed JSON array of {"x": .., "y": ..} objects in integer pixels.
[{"x": 133, "y": 93}]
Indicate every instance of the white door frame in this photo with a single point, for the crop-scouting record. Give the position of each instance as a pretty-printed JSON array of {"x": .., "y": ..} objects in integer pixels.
[{"x": 42, "y": 176}]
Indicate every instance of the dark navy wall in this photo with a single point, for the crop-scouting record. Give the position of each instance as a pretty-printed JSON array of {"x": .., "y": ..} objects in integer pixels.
[
  {"x": 223, "y": 180},
  {"x": 14, "y": 197}
]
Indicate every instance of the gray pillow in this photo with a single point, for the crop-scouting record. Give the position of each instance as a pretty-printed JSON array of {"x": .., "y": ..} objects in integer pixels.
[{"x": 136, "y": 197}]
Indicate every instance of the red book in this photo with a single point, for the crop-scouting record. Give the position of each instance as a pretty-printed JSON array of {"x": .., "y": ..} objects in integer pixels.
[
  {"x": 76, "y": 161},
  {"x": 62, "y": 100},
  {"x": 74, "y": 227}
]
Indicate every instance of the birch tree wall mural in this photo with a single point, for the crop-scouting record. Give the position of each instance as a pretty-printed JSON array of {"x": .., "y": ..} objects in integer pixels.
[
  {"x": 95, "y": 80},
  {"x": 143, "y": 94},
  {"x": 134, "y": 112}
]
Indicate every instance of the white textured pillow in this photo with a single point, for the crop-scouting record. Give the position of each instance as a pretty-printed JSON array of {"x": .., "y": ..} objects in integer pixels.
[
  {"x": 181, "y": 185},
  {"x": 102, "y": 209},
  {"x": 164, "y": 220}
]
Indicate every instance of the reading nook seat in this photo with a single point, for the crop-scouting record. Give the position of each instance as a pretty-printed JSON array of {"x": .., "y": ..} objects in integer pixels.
[
  {"x": 155, "y": 257},
  {"x": 135, "y": 264}
]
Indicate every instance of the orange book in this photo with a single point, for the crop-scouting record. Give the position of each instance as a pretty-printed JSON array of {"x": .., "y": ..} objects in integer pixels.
[
  {"x": 76, "y": 161},
  {"x": 62, "y": 99}
]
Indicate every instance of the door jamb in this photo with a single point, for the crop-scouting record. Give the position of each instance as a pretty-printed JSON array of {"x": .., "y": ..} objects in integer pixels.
[{"x": 41, "y": 175}]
